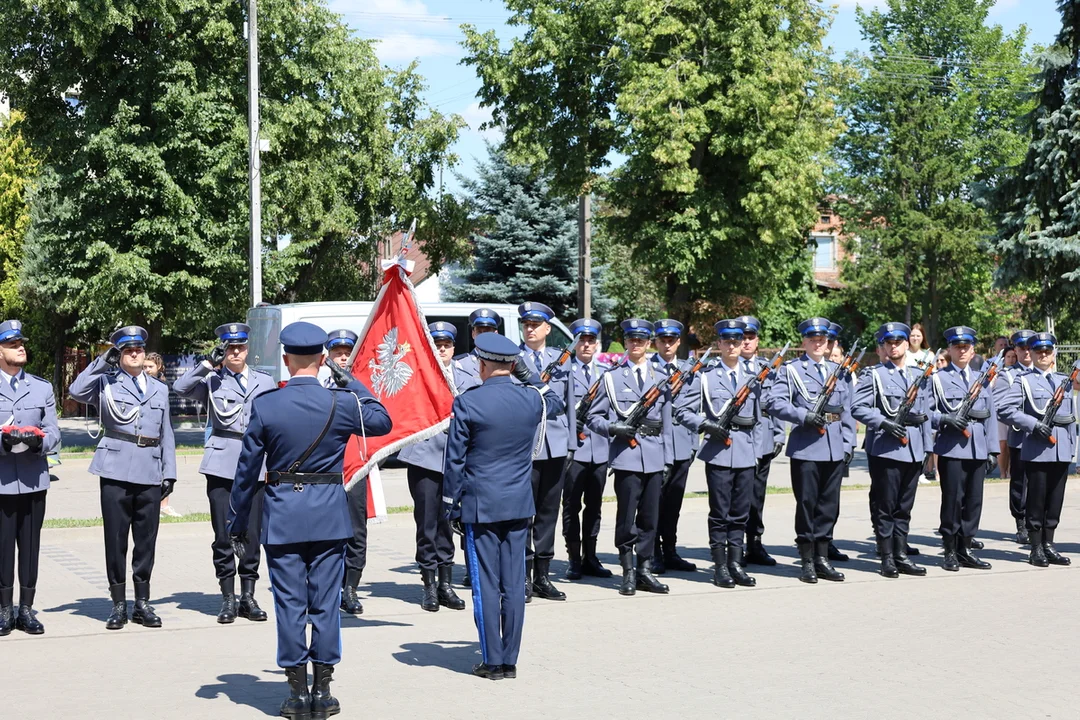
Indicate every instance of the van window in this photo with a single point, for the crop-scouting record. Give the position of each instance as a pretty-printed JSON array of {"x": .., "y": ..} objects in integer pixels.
[
  {"x": 558, "y": 338},
  {"x": 263, "y": 349},
  {"x": 463, "y": 343}
]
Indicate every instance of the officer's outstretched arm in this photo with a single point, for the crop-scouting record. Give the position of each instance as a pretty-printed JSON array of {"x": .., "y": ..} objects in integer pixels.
[
  {"x": 778, "y": 403},
  {"x": 555, "y": 402},
  {"x": 193, "y": 383},
  {"x": 668, "y": 430},
  {"x": 86, "y": 386},
  {"x": 598, "y": 420},
  {"x": 847, "y": 422},
  {"x": 993, "y": 438},
  {"x": 168, "y": 444},
  {"x": 457, "y": 444},
  {"x": 50, "y": 425},
  {"x": 376, "y": 420},
  {"x": 687, "y": 408},
  {"x": 864, "y": 407},
  {"x": 1011, "y": 409},
  {"x": 247, "y": 479}
]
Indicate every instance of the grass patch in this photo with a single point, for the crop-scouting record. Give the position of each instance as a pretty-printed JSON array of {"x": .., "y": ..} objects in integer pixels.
[
  {"x": 59, "y": 523},
  {"x": 76, "y": 452}
]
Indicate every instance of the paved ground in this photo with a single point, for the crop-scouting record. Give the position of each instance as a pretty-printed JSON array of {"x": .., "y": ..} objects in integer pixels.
[{"x": 997, "y": 644}]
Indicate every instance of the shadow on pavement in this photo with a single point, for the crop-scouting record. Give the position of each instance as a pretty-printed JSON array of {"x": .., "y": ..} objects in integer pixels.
[
  {"x": 205, "y": 603},
  {"x": 455, "y": 655},
  {"x": 95, "y": 608},
  {"x": 247, "y": 690},
  {"x": 352, "y": 621}
]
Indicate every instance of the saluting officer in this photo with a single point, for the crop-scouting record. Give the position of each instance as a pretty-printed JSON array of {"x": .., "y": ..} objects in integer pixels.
[
  {"x": 820, "y": 445},
  {"x": 730, "y": 453},
  {"x": 586, "y": 473},
  {"x": 684, "y": 446},
  {"x": 29, "y": 433},
  {"x": 434, "y": 538},
  {"x": 1046, "y": 462},
  {"x": 1015, "y": 437},
  {"x": 228, "y": 386},
  {"x": 487, "y": 485},
  {"x": 547, "y": 477},
  {"x": 965, "y": 450},
  {"x": 136, "y": 461},
  {"x": 896, "y": 448},
  {"x": 301, "y": 431},
  {"x": 639, "y": 470}
]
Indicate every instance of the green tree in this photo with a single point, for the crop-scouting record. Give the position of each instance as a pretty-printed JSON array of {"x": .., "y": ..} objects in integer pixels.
[
  {"x": 17, "y": 169},
  {"x": 933, "y": 114}
]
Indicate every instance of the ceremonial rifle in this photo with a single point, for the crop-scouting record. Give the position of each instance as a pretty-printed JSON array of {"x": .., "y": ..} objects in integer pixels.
[
  {"x": 679, "y": 379},
  {"x": 1055, "y": 402},
  {"x": 563, "y": 357},
  {"x": 912, "y": 393},
  {"x": 830, "y": 383},
  {"x": 989, "y": 372},
  {"x": 748, "y": 387}
]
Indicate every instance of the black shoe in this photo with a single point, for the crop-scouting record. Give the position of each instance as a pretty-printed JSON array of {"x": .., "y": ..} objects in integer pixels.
[
  {"x": 823, "y": 567},
  {"x": 645, "y": 579},
  {"x": 835, "y": 555},
  {"x": 528, "y": 580},
  {"x": 447, "y": 596},
  {"x": 298, "y": 705},
  {"x": 1038, "y": 553},
  {"x": 143, "y": 614},
  {"x": 807, "y": 573},
  {"x": 1022, "y": 536},
  {"x": 1052, "y": 555},
  {"x": 573, "y": 567},
  {"x": 248, "y": 608},
  {"x": 491, "y": 672},
  {"x": 323, "y": 704},
  {"x": 227, "y": 614},
  {"x": 7, "y": 611},
  {"x": 509, "y": 671},
  {"x": 903, "y": 563},
  {"x": 676, "y": 563},
  {"x": 735, "y": 567},
  {"x": 975, "y": 544},
  {"x": 590, "y": 564},
  {"x": 350, "y": 603},
  {"x": 656, "y": 564},
  {"x": 430, "y": 600},
  {"x": 26, "y": 619},
  {"x": 629, "y": 574},
  {"x": 119, "y": 616},
  {"x": 721, "y": 574},
  {"x": 911, "y": 550},
  {"x": 756, "y": 554},
  {"x": 950, "y": 561},
  {"x": 466, "y": 581},
  {"x": 967, "y": 558},
  {"x": 542, "y": 586},
  {"x": 888, "y": 564}
]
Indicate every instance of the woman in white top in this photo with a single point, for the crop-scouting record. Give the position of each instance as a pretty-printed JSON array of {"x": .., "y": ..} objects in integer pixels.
[{"x": 916, "y": 352}]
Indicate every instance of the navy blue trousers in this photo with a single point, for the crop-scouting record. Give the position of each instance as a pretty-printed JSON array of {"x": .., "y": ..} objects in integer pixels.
[
  {"x": 306, "y": 580},
  {"x": 496, "y": 553}
]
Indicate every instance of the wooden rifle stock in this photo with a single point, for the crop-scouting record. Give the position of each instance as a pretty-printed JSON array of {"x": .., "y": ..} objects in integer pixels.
[
  {"x": 909, "y": 397},
  {"x": 585, "y": 403},
  {"x": 743, "y": 393},
  {"x": 834, "y": 377},
  {"x": 1055, "y": 402}
]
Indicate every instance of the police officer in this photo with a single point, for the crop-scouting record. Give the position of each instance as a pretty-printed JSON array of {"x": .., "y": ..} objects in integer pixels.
[
  {"x": 831, "y": 354},
  {"x": 684, "y": 444},
  {"x": 639, "y": 470},
  {"x": 1015, "y": 437},
  {"x": 301, "y": 431},
  {"x": 29, "y": 433},
  {"x": 487, "y": 485},
  {"x": 136, "y": 461},
  {"x": 228, "y": 386},
  {"x": 730, "y": 452},
  {"x": 547, "y": 478},
  {"x": 965, "y": 450},
  {"x": 896, "y": 448},
  {"x": 339, "y": 348},
  {"x": 772, "y": 434},
  {"x": 820, "y": 445},
  {"x": 1046, "y": 462},
  {"x": 586, "y": 472},
  {"x": 434, "y": 538}
]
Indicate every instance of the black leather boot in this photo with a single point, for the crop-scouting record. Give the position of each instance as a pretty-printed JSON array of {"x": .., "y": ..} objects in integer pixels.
[
  {"x": 735, "y": 566},
  {"x": 1052, "y": 555},
  {"x": 656, "y": 564},
  {"x": 1022, "y": 537},
  {"x": 721, "y": 575},
  {"x": 949, "y": 562},
  {"x": 430, "y": 600},
  {"x": 975, "y": 544},
  {"x": 590, "y": 564},
  {"x": 248, "y": 608},
  {"x": 903, "y": 563},
  {"x": 26, "y": 619},
  {"x": 885, "y": 552},
  {"x": 349, "y": 602},
  {"x": 7, "y": 611},
  {"x": 490, "y": 672},
  {"x": 756, "y": 554},
  {"x": 119, "y": 616},
  {"x": 835, "y": 555},
  {"x": 323, "y": 704},
  {"x": 673, "y": 562},
  {"x": 528, "y": 580},
  {"x": 966, "y": 557},
  {"x": 298, "y": 705},
  {"x": 542, "y": 586},
  {"x": 645, "y": 579},
  {"x": 822, "y": 566},
  {"x": 573, "y": 568},
  {"x": 629, "y": 575},
  {"x": 806, "y": 561},
  {"x": 447, "y": 596},
  {"x": 1038, "y": 553},
  {"x": 143, "y": 613},
  {"x": 227, "y": 614}
]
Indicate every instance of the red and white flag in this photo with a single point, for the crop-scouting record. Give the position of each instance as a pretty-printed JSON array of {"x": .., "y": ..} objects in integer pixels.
[{"x": 395, "y": 358}]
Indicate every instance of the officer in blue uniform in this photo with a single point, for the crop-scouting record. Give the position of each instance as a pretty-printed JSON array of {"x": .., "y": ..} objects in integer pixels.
[
  {"x": 965, "y": 450},
  {"x": 730, "y": 453},
  {"x": 547, "y": 477},
  {"x": 1046, "y": 463},
  {"x": 684, "y": 444},
  {"x": 424, "y": 460},
  {"x": 225, "y": 383},
  {"x": 487, "y": 485},
  {"x": 895, "y": 450},
  {"x": 834, "y": 339},
  {"x": 639, "y": 470},
  {"x": 586, "y": 471},
  {"x": 1015, "y": 437},
  {"x": 136, "y": 461},
  {"x": 820, "y": 445},
  {"x": 28, "y": 432},
  {"x": 301, "y": 431}
]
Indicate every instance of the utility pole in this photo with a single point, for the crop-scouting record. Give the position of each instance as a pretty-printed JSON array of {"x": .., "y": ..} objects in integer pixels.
[
  {"x": 254, "y": 160},
  {"x": 584, "y": 283}
]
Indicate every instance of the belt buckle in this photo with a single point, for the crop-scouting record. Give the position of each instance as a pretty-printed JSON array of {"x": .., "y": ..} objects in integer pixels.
[
  {"x": 140, "y": 441},
  {"x": 832, "y": 417},
  {"x": 298, "y": 487}
]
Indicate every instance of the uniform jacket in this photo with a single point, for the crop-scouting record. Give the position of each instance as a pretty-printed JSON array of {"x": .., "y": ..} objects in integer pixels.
[
  {"x": 949, "y": 391},
  {"x": 229, "y": 409},
  {"x": 33, "y": 404},
  {"x": 705, "y": 399},
  {"x": 879, "y": 393},
  {"x": 788, "y": 403},
  {"x": 127, "y": 412},
  {"x": 488, "y": 467},
  {"x": 429, "y": 453},
  {"x": 684, "y": 441},
  {"x": 556, "y": 434},
  {"x": 1023, "y": 406},
  {"x": 594, "y": 448},
  {"x": 469, "y": 364},
  {"x": 773, "y": 431},
  {"x": 1006, "y": 379},
  {"x": 651, "y": 453},
  {"x": 284, "y": 422}
]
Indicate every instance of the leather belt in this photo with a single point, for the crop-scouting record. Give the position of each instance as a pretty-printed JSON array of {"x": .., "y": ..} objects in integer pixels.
[
  {"x": 139, "y": 440},
  {"x": 1064, "y": 420},
  {"x": 914, "y": 420},
  {"x": 978, "y": 414},
  {"x": 299, "y": 480},
  {"x": 229, "y": 434},
  {"x": 650, "y": 429},
  {"x": 739, "y": 422},
  {"x": 832, "y": 409}
]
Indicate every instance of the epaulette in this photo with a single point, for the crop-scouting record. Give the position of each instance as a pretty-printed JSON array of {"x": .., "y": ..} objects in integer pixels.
[
  {"x": 162, "y": 382},
  {"x": 260, "y": 372},
  {"x": 461, "y": 356},
  {"x": 866, "y": 371},
  {"x": 604, "y": 366},
  {"x": 36, "y": 377}
]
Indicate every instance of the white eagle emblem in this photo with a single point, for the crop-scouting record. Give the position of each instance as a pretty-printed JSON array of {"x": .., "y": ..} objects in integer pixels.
[{"x": 391, "y": 373}]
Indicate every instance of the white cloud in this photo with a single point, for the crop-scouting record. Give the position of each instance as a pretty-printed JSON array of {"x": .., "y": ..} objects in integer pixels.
[
  {"x": 864, "y": 4},
  {"x": 402, "y": 29},
  {"x": 404, "y": 48},
  {"x": 476, "y": 116}
]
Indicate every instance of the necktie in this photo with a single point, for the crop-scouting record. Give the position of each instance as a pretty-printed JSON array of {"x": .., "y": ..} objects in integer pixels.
[
  {"x": 964, "y": 375},
  {"x": 640, "y": 380},
  {"x": 734, "y": 382},
  {"x": 821, "y": 372},
  {"x": 139, "y": 387},
  {"x": 240, "y": 382},
  {"x": 14, "y": 383},
  {"x": 536, "y": 361},
  {"x": 588, "y": 378}
]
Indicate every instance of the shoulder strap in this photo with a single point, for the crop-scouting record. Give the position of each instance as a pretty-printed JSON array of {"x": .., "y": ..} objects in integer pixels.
[{"x": 311, "y": 448}]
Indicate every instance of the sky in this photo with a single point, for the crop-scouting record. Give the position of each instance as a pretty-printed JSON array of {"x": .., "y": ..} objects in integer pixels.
[{"x": 428, "y": 31}]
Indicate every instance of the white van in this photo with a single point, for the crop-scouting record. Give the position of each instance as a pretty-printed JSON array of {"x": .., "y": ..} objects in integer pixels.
[{"x": 266, "y": 321}]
